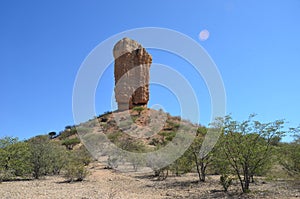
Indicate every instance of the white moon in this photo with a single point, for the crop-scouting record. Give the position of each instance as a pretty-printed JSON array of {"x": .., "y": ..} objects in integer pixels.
[{"x": 204, "y": 35}]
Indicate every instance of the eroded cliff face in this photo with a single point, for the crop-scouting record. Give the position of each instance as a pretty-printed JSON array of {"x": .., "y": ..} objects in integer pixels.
[{"x": 132, "y": 71}]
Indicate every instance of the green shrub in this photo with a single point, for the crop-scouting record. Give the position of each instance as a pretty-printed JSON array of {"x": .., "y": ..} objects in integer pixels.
[
  {"x": 67, "y": 133},
  {"x": 6, "y": 174},
  {"x": 14, "y": 159},
  {"x": 75, "y": 172},
  {"x": 70, "y": 143},
  {"x": 139, "y": 109},
  {"x": 57, "y": 158},
  {"x": 226, "y": 181},
  {"x": 114, "y": 136},
  {"x": 168, "y": 135},
  {"x": 174, "y": 125},
  {"x": 134, "y": 118},
  {"x": 136, "y": 160},
  {"x": 40, "y": 155},
  {"x": 75, "y": 168},
  {"x": 83, "y": 156},
  {"x": 132, "y": 145},
  {"x": 18, "y": 159},
  {"x": 155, "y": 142}
]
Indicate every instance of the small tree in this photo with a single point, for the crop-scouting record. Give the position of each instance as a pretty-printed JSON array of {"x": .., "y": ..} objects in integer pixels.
[
  {"x": 75, "y": 172},
  {"x": 83, "y": 156},
  {"x": 182, "y": 165},
  {"x": 52, "y": 134},
  {"x": 74, "y": 169},
  {"x": 14, "y": 158},
  {"x": 40, "y": 155},
  {"x": 69, "y": 131},
  {"x": 201, "y": 160},
  {"x": 290, "y": 156},
  {"x": 247, "y": 147},
  {"x": 18, "y": 159},
  {"x": 57, "y": 157},
  {"x": 135, "y": 147}
]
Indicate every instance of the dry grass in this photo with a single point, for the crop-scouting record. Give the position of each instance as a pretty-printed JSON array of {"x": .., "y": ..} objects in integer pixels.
[{"x": 107, "y": 184}]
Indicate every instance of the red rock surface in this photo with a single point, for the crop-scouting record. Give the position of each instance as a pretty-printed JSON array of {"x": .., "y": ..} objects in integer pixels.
[{"x": 132, "y": 71}]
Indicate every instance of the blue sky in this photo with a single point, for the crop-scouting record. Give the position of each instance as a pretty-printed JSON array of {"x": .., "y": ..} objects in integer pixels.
[{"x": 255, "y": 45}]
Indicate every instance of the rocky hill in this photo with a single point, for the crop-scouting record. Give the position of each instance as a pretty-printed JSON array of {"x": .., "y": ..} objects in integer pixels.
[{"x": 110, "y": 137}]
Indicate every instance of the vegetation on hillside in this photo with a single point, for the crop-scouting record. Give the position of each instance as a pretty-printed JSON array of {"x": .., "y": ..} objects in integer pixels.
[
  {"x": 244, "y": 151},
  {"x": 41, "y": 156}
]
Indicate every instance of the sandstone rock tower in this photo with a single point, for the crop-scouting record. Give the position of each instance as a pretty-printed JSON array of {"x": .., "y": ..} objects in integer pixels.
[{"x": 132, "y": 65}]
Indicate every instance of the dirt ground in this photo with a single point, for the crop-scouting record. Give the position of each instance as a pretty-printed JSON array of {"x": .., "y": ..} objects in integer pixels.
[{"x": 109, "y": 184}]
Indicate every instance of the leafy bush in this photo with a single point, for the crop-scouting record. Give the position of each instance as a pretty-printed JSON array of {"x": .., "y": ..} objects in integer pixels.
[
  {"x": 75, "y": 169},
  {"x": 131, "y": 145},
  {"x": 57, "y": 158},
  {"x": 168, "y": 135},
  {"x": 182, "y": 165},
  {"x": 114, "y": 136},
  {"x": 18, "y": 159},
  {"x": 155, "y": 142},
  {"x": 136, "y": 160},
  {"x": 226, "y": 181},
  {"x": 6, "y": 174},
  {"x": 40, "y": 155},
  {"x": 83, "y": 156},
  {"x": 67, "y": 133},
  {"x": 75, "y": 172},
  {"x": 173, "y": 125},
  {"x": 134, "y": 118},
  {"x": 14, "y": 158},
  {"x": 290, "y": 158},
  {"x": 47, "y": 157},
  {"x": 139, "y": 109},
  {"x": 70, "y": 143}
]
